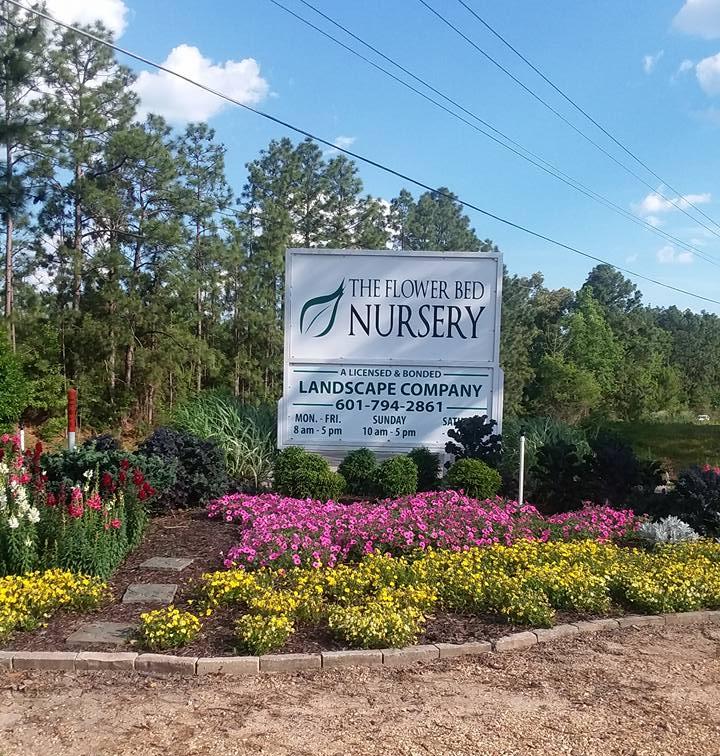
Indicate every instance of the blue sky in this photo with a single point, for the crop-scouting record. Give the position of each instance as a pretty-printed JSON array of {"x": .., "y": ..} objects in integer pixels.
[{"x": 646, "y": 69}]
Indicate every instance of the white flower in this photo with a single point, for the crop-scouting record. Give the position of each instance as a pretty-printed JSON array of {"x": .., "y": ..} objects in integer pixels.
[
  {"x": 28, "y": 542},
  {"x": 88, "y": 474},
  {"x": 13, "y": 522},
  {"x": 4, "y": 469},
  {"x": 21, "y": 498},
  {"x": 33, "y": 514}
]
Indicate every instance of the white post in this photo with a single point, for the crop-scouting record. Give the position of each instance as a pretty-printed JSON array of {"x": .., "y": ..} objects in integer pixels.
[
  {"x": 521, "y": 490},
  {"x": 22, "y": 436}
]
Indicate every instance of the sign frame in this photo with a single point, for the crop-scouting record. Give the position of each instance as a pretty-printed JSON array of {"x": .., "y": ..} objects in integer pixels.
[{"x": 317, "y": 444}]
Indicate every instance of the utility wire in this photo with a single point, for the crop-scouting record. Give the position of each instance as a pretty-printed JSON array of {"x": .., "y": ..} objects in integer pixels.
[
  {"x": 582, "y": 110},
  {"x": 677, "y": 203},
  {"x": 521, "y": 151},
  {"x": 361, "y": 158}
]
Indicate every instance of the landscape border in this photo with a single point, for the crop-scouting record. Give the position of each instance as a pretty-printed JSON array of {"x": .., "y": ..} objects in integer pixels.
[{"x": 190, "y": 666}]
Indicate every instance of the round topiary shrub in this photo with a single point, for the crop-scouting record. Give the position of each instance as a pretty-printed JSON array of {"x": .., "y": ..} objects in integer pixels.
[
  {"x": 428, "y": 465},
  {"x": 475, "y": 477},
  {"x": 305, "y": 475},
  {"x": 397, "y": 476},
  {"x": 358, "y": 468}
]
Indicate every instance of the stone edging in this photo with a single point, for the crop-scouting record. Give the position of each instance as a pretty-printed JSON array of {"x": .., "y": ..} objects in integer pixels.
[{"x": 189, "y": 666}]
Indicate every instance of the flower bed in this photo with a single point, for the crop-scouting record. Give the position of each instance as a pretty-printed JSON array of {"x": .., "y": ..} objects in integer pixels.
[
  {"x": 383, "y": 601},
  {"x": 283, "y": 532},
  {"x": 27, "y": 601},
  {"x": 88, "y": 527}
]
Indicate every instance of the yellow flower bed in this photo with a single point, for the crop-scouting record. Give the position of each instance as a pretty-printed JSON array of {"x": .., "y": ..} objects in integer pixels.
[
  {"x": 383, "y": 601},
  {"x": 167, "y": 628},
  {"x": 27, "y": 601}
]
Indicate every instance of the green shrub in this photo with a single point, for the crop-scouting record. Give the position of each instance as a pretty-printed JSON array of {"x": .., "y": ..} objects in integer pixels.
[
  {"x": 305, "y": 475},
  {"x": 473, "y": 438},
  {"x": 15, "y": 389},
  {"x": 428, "y": 465},
  {"x": 358, "y": 468},
  {"x": 245, "y": 433},
  {"x": 201, "y": 471},
  {"x": 475, "y": 477},
  {"x": 397, "y": 476},
  {"x": 305, "y": 483},
  {"x": 52, "y": 429}
]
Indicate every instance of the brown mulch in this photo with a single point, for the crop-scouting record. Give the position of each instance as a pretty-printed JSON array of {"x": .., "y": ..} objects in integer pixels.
[{"x": 191, "y": 534}]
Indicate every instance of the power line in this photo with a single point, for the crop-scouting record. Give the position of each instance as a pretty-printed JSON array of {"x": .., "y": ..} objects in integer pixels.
[
  {"x": 362, "y": 158},
  {"x": 581, "y": 110},
  {"x": 529, "y": 156},
  {"x": 677, "y": 204}
]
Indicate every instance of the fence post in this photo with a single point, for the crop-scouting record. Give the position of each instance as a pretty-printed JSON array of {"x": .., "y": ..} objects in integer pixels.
[
  {"x": 72, "y": 416},
  {"x": 521, "y": 491},
  {"x": 22, "y": 436}
]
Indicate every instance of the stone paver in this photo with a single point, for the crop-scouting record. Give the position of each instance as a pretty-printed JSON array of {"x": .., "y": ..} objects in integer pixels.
[
  {"x": 597, "y": 626},
  {"x": 290, "y": 662},
  {"x": 354, "y": 658},
  {"x": 64, "y": 660},
  {"x": 555, "y": 633},
  {"x": 403, "y": 657},
  {"x": 97, "y": 633},
  {"x": 176, "y": 564},
  {"x": 640, "y": 620},
  {"x": 229, "y": 665},
  {"x": 515, "y": 642},
  {"x": 6, "y": 659},
  {"x": 688, "y": 618},
  {"x": 472, "y": 648},
  {"x": 162, "y": 664},
  {"x": 150, "y": 593},
  {"x": 97, "y": 660}
]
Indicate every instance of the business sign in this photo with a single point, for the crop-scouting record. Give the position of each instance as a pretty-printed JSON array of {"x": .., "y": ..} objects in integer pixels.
[{"x": 388, "y": 349}]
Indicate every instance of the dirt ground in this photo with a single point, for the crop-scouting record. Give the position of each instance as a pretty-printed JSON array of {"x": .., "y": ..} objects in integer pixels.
[{"x": 642, "y": 691}]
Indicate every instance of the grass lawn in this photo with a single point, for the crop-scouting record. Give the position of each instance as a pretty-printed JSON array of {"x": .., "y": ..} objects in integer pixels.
[{"x": 678, "y": 445}]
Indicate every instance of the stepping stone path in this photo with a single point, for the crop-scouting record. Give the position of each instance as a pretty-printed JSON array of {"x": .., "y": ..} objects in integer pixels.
[
  {"x": 176, "y": 564},
  {"x": 105, "y": 633},
  {"x": 150, "y": 593}
]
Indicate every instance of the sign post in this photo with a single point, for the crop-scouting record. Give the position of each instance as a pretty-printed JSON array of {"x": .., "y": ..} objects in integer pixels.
[{"x": 388, "y": 349}]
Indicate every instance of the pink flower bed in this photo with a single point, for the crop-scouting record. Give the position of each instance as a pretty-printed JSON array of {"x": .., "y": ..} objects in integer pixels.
[{"x": 283, "y": 532}]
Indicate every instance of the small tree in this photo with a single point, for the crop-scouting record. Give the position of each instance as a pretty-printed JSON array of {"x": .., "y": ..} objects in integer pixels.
[
  {"x": 14, "y": 386},
  {"x": 475, "y": 440}
]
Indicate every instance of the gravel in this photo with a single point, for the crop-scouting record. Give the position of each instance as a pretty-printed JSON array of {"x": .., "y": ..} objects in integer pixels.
[{"x": 636, "y": 692}]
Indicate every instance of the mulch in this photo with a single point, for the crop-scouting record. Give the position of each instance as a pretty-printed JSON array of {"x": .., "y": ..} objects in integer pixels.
[{"x": 191, "y": 534}]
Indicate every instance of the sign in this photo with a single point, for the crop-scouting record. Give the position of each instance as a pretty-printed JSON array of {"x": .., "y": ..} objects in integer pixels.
[{"x": 388, "y": 349}]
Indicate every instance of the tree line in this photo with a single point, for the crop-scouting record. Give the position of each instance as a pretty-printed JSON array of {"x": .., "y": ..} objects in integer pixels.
[{"x": 134, "y": 271}]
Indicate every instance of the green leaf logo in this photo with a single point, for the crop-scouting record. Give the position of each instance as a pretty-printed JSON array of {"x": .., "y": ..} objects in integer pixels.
[{"x": 321, "y": 311}]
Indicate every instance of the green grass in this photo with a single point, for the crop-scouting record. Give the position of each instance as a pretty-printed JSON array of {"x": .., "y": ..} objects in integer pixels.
[{"x": 677, "y": 445}]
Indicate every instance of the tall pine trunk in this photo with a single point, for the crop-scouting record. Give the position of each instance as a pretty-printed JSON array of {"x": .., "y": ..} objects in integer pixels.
[{"x": 9, "y": 225}]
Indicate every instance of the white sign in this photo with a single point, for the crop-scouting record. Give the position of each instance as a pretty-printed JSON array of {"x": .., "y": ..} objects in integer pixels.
[{"x": 388, "y": 349}]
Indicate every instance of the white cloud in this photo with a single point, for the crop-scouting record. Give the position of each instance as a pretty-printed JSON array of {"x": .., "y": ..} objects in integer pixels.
[
  {"x": 344, "y": 141},
  {"x": 668, "y": 255},
  {"x": 685, "y": 66},
  {"x": 654, "y": 204},
  {"x": 113, "y": 13},
  {"x": 708, "y": 74},
  {"x": 631, "y": 259},
  {"x": 179, "y": 101},
  {"x": 700, "y": 18},
  {"x": 650, "y": 61}
]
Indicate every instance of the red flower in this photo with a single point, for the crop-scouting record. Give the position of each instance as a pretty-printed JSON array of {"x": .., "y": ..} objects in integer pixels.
[
  {"x": 138, "y": 477},
  {"x": 115, "y": 523},
  {"x": 125, "y": 464},
  {"x": 51, "y": 500},
  {"x": 94, "y": 502},
  {"x": 122, "y": 477}
]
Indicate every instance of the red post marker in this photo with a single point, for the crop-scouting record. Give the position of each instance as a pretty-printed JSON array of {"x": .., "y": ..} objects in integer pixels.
[{"x": 72, "y": 417}]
